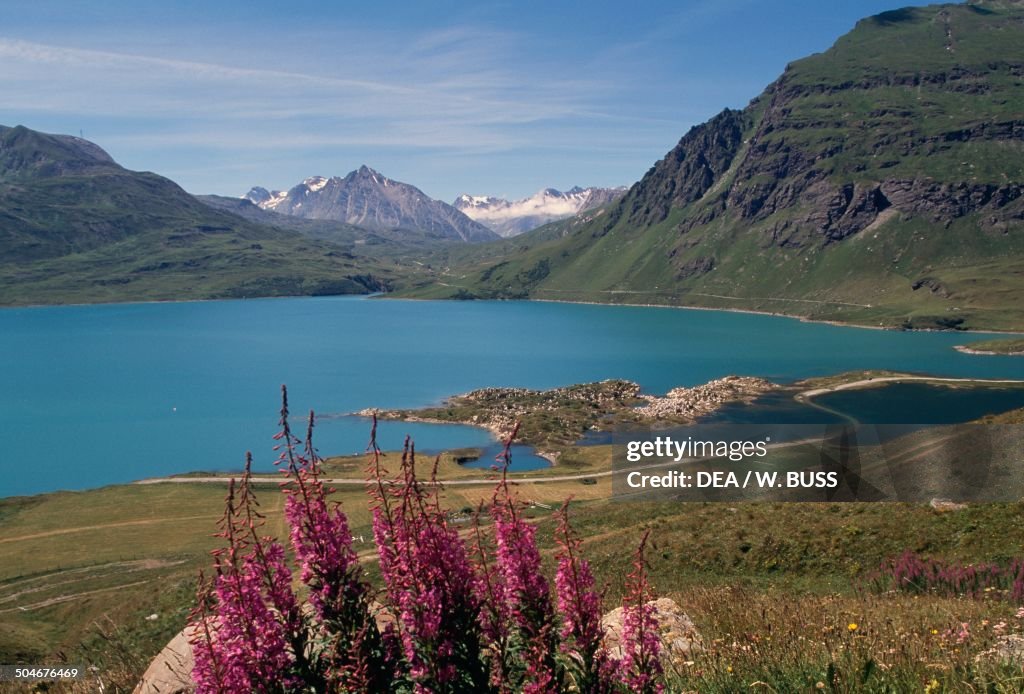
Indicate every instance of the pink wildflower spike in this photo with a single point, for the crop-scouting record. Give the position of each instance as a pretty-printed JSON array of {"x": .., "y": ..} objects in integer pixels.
[
  {"x": 526, "y": 589},
  {"x": 456, "y": 625},
  {"x": 640, "y": 666},
  {"x": 579, "y": 604},
  {"x": 429, "y": 583}
]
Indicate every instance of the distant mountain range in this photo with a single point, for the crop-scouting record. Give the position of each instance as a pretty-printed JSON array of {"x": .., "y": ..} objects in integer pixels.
[
  {"x": 367, "y": 199},
  {"x": 879, "y": 182},
  {"x": 513, "y": 217},
  {"x": 77, "y": 227}
]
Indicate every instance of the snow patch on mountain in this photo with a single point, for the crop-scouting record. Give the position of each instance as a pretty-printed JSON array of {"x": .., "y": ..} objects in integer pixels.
[{"x": 513, "y": 217}]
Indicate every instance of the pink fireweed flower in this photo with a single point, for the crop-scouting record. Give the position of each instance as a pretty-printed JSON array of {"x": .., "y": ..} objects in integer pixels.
[
  {"x": 579, "y": 604},
  {"x": 429, "y": 583},
  {"x": 641, "y": 645},
  {"x": 320, "y": 536},
  {"x": 526, "y": 589},
  {"x": 243, "y": 645},
  {"x": 495, "y": 618},
  {"x": 350, "y": 642}
]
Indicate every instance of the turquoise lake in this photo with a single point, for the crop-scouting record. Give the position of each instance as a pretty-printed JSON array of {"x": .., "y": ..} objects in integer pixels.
[{"x": 94, "y": 395}]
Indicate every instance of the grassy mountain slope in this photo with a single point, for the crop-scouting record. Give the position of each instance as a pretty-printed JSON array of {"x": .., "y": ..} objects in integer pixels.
[
  {"x": 880, "y": 182},
  {"x": 76, "y": 227}
]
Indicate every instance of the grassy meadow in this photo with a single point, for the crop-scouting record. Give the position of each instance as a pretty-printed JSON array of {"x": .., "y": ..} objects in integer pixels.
[{"x": 781, "y": 593}]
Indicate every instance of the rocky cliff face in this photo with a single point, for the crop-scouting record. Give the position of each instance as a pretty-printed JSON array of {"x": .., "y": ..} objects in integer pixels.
[
  {"x": 370, "y": 200},
  {"x": 693, "y": 167}
]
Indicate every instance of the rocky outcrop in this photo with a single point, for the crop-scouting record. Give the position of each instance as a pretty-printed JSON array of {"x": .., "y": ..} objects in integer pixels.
[
  {"x": 704, "y": 399},
  {"x": 561, "y": 415},
  {"x": 943, "y": 202},
  {"x": 171, "y": 671},
  {"x": 695, "y": 267},
  {"x": 686, "y": 173},
  {"x": 500, "y": 409},
  {"x": 679, "y": 637},
  {"x": 931, "y": 284}
]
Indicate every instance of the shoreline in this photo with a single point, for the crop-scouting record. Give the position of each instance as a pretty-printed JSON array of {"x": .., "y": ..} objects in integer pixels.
[
  {"x": 679, "y": 307},
  {"x": 386, "y": 296},
  {"x": 496, "y": 432},
  {"x": 209, "y": 476},
  {"x": 966, "y": 349},
  {"x": 145, "y": 302},
  {"x": 775, "y": 314},
  {"x": 809, "y": 395}
]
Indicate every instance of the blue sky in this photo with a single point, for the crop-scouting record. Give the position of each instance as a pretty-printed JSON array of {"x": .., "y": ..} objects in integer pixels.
[{"x": 497, "y": 98}]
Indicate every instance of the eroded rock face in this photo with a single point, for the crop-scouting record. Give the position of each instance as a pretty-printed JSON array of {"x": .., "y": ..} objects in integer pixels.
[
  {"x": 689, "y": 171},
  {"x": 679, "y": 637}
]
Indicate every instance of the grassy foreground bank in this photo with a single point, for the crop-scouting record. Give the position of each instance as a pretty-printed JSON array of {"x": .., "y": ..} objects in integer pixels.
[{"x": 778, "y": 591}]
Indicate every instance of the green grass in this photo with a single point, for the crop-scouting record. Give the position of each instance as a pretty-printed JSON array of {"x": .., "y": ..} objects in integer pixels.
[{"x": 149, "y": 267}]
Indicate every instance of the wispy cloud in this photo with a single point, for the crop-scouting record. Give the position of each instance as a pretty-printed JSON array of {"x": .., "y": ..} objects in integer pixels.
[
  {"x": 480, "y": 93},
  {"x": 454, "y": 86}
]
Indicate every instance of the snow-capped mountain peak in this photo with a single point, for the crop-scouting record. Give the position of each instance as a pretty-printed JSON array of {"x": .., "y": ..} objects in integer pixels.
[
  {"x": 315, "y": 183},
  {"x": 371, "y": 200},
  {"x": 509, "y": 218}
]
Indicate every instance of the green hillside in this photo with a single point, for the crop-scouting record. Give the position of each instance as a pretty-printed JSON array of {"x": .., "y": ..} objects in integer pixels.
[
  {"x": 76, "y": 227},
  {"x": 880, "y": 182}
]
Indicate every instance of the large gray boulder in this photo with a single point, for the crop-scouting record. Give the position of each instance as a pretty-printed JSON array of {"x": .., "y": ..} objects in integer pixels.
[
  {"x": 171, "y": 671},
  {"x": 679, "y": 637}
]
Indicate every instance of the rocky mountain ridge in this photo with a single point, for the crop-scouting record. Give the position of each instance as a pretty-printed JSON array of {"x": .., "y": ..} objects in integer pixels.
[{"x": 368, "y": 199}]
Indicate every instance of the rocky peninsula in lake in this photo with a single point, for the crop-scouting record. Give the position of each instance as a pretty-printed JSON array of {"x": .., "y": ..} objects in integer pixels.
[{"x": 560, "y": 416}]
